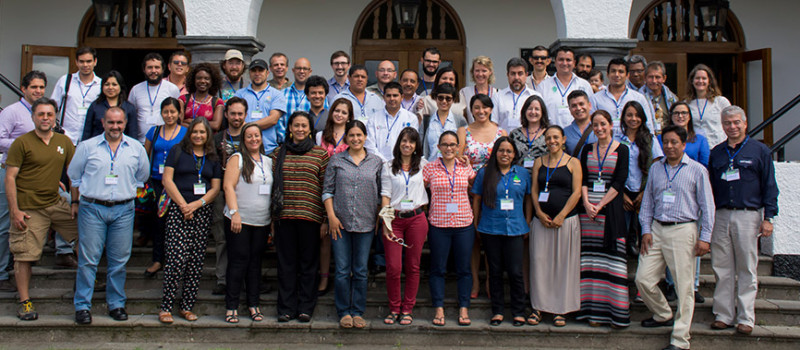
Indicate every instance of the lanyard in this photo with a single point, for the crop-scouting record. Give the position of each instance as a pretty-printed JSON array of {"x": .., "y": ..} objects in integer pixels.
[
  {"x": 83, "y": 94},
  {"x": 199, "y": 171},
  {"x": 564, "y": 93},
  {"x": 389, "y": 128},
  {"x": 299, "y": 100},
  {"x": 113, "y": 154},
  {"x": 621, "y": 98},
  {"x": 600, "y": 172},
  {"x": 548, "y": 174},
  {"x": 669, "y": 183},
  {"x": 450, "y": 179},
  {"x": 177, "y": 127},
  {"x": 699, "y": 111},
  {"x": 506, "y": 178},
  {"x": 195, "y": 107},
  {"x": 528, "y": 135},
  {"x": 411, "y": 105},
  {"x": 488, "y": 93},
  {"x": 151, "y": 99},
  {"x": 407, "y": 178},
  {"x": 318, "y": 118},
  {"x": 335, "y": 83},
  {"x": 338, "y": 142},
  {"x": 259, "y": 97},
  {"x": 241, "y": 81},
  {"x": 260, "y": 164},
  {"x": 425, "y": 87},
  {"x": 361, "y": 104},
  {"x": 230, "y": 137},
  {"x": 731, "y": 157},
  {"x": 515, "y": 100},
  {"x": 26, "y": 105}
]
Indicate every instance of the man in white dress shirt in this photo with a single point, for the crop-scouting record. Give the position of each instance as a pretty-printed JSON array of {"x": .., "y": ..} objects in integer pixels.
[
  {"x": 511, "y": 99},
  {"x": 84, "y": 87},
  {"x": 382, "y": 131},
  {"x": 614, "y": 98},
  {"x": 555, "y": 90}
]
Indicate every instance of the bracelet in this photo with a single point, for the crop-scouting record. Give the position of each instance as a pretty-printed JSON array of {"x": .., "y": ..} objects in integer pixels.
[
  {"x": 75, "y": 202},
  {"x": 203, "y": 201}
]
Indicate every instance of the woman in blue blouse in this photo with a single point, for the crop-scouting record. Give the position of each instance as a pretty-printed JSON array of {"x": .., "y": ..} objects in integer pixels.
[
  {"x": 696, "y": 145},
  {"x": 501, "y": 196}
]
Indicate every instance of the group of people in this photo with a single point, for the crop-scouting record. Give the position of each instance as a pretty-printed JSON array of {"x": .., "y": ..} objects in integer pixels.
[{"x": 555, "y": 180}]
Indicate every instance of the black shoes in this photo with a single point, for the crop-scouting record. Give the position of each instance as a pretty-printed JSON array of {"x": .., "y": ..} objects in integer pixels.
[
  {"x": 698, "y": 298},
  {"x": 671, "y": 295},
  {"x": 83, "y": 317},
  {"x": 118, "y": 314},
  {"x": 673, "y": 347},
  {"x": 650, "y": 323},
  {"x": 66, "y": 261}
]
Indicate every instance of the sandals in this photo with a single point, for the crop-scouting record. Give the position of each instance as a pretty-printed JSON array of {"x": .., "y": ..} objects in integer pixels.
[
  {"x": 406, "y": 319},
  {"x": 464, "y": 321},
  {"x": 284, "y": 318},
  {"x": 188, "y": 315},
  {"x": 439, "y": 320},
  {"x": 518, "y": 321},
  {"x": 359, "y": 322},
  {"x": 232, "y": 317},
  {"x": 534, "y": 318},
  {"x": 304, "y": 318},
  {"x": 165, "y": 317},
  {"x": 391, "y": 318},
  {"x": 256, "y": 315},
  {"x": 346, "y": 321},
  {"x": 559, "y": 321},
  {"x": 496, "y": 320}
]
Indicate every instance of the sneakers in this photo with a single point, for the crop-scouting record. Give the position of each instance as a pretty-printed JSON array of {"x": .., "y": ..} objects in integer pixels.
[
  {"x": 26, "y": 311},
  {"x": 66, "y": 261},
  {"x": 7, "y": 287}
]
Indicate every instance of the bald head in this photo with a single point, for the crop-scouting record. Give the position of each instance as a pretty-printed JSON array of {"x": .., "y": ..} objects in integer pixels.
[
  {"x": 301, "y": 70},
  {"x": 386, "y": 72}
]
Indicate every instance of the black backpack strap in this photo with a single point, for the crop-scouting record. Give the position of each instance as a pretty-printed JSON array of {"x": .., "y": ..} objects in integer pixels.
[{"x": 578, "y": 147}]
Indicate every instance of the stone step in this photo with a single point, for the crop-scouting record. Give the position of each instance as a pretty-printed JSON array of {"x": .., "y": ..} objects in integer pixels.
[
  {"x": 325, "y": 332},
  {"x": 770, "y": 287}
]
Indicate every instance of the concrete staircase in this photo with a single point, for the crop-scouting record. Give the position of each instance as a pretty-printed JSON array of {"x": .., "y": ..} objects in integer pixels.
[{"x": 777, "y": 315}]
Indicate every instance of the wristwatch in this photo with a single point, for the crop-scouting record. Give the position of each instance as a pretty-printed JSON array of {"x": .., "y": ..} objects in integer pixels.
[
  {"x": 769, "y": 220},
  {"x": 232, "y": 211}
]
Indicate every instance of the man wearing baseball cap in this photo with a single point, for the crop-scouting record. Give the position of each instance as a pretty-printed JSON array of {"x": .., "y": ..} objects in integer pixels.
[
  {"x": 233, "y": 68},
  {"x": 265, "y": 104}
]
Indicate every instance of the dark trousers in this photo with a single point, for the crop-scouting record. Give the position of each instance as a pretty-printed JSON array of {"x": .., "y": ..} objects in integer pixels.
[
  {"x": 155, "y": 226},
  {"x": 442, "y": 242},
  {"x": 297, "y": 245},
  {"x": 504, "y": 254},
  {"x": 245, "y": 250}
]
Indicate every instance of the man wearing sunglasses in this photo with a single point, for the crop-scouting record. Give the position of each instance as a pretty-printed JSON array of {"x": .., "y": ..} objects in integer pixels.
[
  {"x": 540, "y": 59},
  {"x": 555, "y": 90},
  {"x": 178, "y": 65}
]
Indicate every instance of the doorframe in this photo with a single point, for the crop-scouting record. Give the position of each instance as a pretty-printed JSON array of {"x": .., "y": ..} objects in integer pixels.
[{"x": 28, "y": 51}]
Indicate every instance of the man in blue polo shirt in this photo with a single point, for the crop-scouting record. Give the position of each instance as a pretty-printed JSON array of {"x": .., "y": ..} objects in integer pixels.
[
  {"x": 614, "y": 98},
  {"x": 265, "y": 105}
]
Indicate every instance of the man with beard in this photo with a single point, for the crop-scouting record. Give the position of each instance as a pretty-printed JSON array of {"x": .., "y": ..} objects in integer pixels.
[
  {"x": 511, "y": 99},
  {"x": 385, "y": 73},
  {"x": 431, "y": 58},
  {"x": 340, "y": 64},
  {"x": 540, "y": 59},
  {"x": 232, "y": 67},
  {"x": 555, "y": 90},
  {"x": 105, "y": 172},
  {"x": 148, "y": 95},
  {"x": 585, "y": 64}
]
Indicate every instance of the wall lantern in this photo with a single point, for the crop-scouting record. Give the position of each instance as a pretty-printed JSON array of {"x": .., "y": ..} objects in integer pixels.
[
  {"x": 714, "y": 14},
  {"x": 104, "y": 13},
  {"x": 405, "y": 13}
]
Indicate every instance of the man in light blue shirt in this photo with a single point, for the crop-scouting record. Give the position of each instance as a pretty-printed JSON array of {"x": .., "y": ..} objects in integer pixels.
[
  {"x": 366, "y": 105},
  {"x": 613, "y": 99},
  {"x": 265, "y": 105},
  {"x": 579, "y": 107},
  {"x": 106, "y": 170}
]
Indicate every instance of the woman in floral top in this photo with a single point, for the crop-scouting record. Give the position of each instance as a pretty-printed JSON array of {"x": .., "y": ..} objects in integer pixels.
[{"x": 480, "y": 135}]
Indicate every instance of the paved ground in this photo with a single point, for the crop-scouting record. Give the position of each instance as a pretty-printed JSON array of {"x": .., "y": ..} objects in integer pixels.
[{"x": 191, "y": 346}]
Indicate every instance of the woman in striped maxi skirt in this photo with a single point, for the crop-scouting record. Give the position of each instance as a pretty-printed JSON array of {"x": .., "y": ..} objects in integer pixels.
[{"x": 604, "y": 270}]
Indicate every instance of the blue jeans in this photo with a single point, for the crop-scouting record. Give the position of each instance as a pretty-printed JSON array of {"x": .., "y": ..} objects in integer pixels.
[
  {"x": 62, "y": 246},
  {"x": 5, "y": 223},
  {"x": 442, "y": 241},
  {"x": 103, "y": 227},
  {"x": 351, "y": 253}
]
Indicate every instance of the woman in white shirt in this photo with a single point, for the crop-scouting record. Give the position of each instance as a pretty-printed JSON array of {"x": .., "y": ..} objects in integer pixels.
[
  {"x": 706, "y": 103},
  {"x": 483, "y": 75}
]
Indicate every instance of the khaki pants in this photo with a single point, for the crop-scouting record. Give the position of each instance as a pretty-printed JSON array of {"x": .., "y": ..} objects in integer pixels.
[
  {"x": 673, "y": 246},
  {"x": 734, "y": 257},
  {"x": 27, "y": 245}
]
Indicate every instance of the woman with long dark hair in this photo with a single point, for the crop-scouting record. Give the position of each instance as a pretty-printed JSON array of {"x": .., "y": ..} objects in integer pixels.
[
  {"x": 502, "y": 211},
  {"x": 352, "y": 198},
  {"x": 247, "y": 186},
  {"x": 192, "y": 177},
  {"x": 297, "y": 213},
  {"x": 403, "y": 190},
  {"x": 113, "y": 95}
]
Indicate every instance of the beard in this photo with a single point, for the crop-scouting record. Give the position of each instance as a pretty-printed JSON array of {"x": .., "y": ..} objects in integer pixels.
[
  {"x": 154, "y": 81},
  {"x": 429, "y": 73}
]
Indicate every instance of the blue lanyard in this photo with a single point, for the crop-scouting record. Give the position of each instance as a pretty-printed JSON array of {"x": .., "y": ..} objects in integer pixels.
[
  {"x": 337, "y": 83},
  {"x": 230, "y": 137},
  {"x": 199, "y": 172},
  {"x": 26, "y": 105},
  {"x": 621, "y": 98},
  {"x": 195, "y": 107},
  {"x": 564, "y": 93},
  {"x": 83, "y": 94},
  {"x": 731, "y": 157},
  {"x": 338, "y": 142},
  {"x": 389, "y": 128},
  {"x": 299, "y": 100},
  {"x": 600, "y": 171},
  {"x": 411, "y": 105},
  {"x": 151, "y": 99},
  {"x": 177, "y": 127},
  {"x": 515, "y": 100},
  {"x": 231, "y": 85},
  {"x": 407, "y": 178},
  {"x": 259, "y": 97},
  {"x": 318, "y": 118},
  {"x": 488, "y": 93},
  {"x": 506, "y": 178},
  {"x": 669, "y": 183},
  {"x": 528, "y": 135},
  {"x": 699, "y": 111},
  {"x": 424, "y": 86},
  {"x": 260, "y": 165},
  {"x": 361, "y": 104},
  {"x": 112, "y": 154},
  {"x": 450, "y": 179},
  {"x": 548, "y": 174}
]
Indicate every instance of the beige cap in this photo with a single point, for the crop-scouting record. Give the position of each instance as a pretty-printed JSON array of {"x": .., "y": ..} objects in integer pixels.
[{"x": 233, "y": 53}]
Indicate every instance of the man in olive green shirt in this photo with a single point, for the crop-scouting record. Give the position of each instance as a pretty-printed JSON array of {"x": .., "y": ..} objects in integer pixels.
[{"x": 34, "y": 166}]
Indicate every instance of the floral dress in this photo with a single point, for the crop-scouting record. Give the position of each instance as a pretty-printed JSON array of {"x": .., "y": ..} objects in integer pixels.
[{"x": 479, "y": 152}]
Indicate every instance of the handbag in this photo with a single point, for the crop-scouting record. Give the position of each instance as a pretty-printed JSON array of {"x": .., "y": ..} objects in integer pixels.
[
  {"x": 163, "y": 204},
  {"x": 146, "y": 197}
]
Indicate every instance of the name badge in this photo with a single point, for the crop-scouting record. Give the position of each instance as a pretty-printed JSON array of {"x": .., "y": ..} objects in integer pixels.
[
  {"x": 527, "y": 163},
  {"x": 256, "y": 115},
  {"x": 544, "y": 197},
  {"x": 112, "y": 179},
  {"x": 161, "y": 168},
  {"x": 616, "y": 123},
  {"x": 506, "y": 204},
  {"x": 83, "y": 110},
  {"x": 451, "y": 208},
  {"x": 264, "y": 189},
  {"x": 668, "y": 197},
  {"x": 199, "y": 189},
  {"x": 599, "y": 186},
  {"x": 406, "y": 204},
  {"x": 731, "y": 175}
]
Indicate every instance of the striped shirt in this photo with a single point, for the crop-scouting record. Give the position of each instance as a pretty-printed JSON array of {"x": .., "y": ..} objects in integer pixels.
[
  {"x": 355, "y": 189},
  {"x": 302, "y": 184},
  {"x": 437, "y": 178},
  {"x": 692, "y": 201}
]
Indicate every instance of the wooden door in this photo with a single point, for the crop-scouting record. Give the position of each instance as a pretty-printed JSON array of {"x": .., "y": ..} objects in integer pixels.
[
  {"x": 54, "y": 61},
  {"x": 765, "y": 57},
  {"x": 677, "y": 73}
]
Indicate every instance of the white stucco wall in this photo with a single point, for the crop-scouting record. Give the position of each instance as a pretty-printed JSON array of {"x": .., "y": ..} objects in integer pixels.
[
  {"x": 786, "y": 238},
  {"x": 592, "y": 19},
  {"x": 227, "y": 19}
]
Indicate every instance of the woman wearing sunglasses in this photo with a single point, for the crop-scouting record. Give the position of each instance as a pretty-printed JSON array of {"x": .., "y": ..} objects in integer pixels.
[{"x": 444, "y": 119}]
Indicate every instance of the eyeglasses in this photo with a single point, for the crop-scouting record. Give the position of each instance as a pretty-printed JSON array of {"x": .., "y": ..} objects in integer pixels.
[
  {"x": 441, "y": 98},
  {"x": 681, "y": 113},
  {"x": 430, "y": 61},
  {"x": 337, "y": 64},
  {"x": 179, "y": 63},
  {"x": 448, "y": 145},
  {"x": 303, "y": 69},
  {"x": 539, "y": 58},
  {"x": 386, "y": 70},
  {"x": 401, "y": 242},
  {"x": 637, "y": 71}
]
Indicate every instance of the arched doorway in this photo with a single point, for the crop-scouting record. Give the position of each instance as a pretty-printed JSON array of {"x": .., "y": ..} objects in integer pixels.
[{"x": 378, "y": 37}]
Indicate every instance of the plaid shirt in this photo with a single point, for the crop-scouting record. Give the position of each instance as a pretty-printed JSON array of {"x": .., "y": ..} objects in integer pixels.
[
  {"x": 295, "y": 100},
  {"x": 437, "y": 178}
]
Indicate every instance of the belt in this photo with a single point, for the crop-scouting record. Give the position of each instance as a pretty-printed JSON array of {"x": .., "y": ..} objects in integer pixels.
[
  {"x": 106, "y": 203},
  {"x": 732, "y": 208},
  {"x": 673, "y": 223},
  {"x": 407, "y": 214}
]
